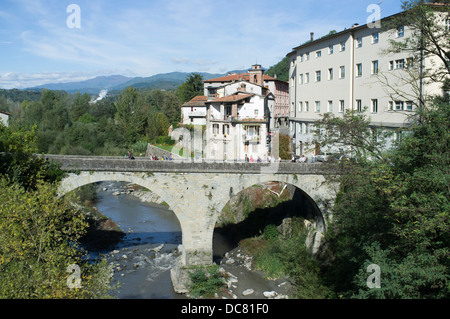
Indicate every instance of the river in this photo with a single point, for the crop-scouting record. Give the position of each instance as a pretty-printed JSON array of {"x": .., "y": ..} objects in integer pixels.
[{"x": 143, "y": 258}]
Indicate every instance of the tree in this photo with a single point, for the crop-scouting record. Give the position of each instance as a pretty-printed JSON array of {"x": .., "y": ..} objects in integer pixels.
[
  {"x": 129, "y": 114},
  {"x": 429, "y": 40},
  {"x": 192, "y": 87},
  {"x": 157, "y": 125},
  {"x": 394, "y": 212},
  {"x": 281, "y": 70}
]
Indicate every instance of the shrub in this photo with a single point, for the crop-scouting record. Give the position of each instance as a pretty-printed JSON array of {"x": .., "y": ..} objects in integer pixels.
[{"x": 206, "y": 282}]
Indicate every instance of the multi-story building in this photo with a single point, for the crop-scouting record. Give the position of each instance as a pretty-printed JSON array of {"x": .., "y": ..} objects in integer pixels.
[
  {"x": 237, "y": 122},
  {"x": 194, "y": 111},
  {"x": 280, "y": 90},
  {"x": 353, "y": 70}
]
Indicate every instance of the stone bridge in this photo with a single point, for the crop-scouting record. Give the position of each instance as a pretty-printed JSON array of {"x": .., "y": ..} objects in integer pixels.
[{"x": 197, "y": 191}]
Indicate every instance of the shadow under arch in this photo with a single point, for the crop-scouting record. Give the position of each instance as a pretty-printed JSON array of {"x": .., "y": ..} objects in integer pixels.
[{"x": 297, "y": 204}]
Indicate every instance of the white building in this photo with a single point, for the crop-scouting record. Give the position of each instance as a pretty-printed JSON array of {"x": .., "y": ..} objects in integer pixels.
[
  {"x": 237, "y": 122},
  {"x": 350, "y": 70},
  {"x": 194, "y": 111},
  {"x": 4, "y": 118}
]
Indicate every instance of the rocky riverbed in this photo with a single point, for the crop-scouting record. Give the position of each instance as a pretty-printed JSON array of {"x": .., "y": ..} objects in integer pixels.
[{"x": 243, "y": 281}]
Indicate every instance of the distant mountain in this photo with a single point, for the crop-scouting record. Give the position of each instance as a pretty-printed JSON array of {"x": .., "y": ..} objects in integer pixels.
[
  {"x": 91, "y": 86},
  {"x": 166, "y": 81}
]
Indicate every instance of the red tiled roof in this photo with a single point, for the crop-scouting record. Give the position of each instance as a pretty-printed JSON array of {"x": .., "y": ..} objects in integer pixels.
[
  {"x": 198, "y": 100},
  {"x": 237, "y": 77},
  {"x": 232, "y": 98}
]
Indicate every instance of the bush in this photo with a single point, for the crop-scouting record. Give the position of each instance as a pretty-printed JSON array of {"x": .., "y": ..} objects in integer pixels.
[{"x": 206, "y": 282}]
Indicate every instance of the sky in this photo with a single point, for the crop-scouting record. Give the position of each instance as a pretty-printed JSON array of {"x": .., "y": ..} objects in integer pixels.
[{"x": 51, "y": 41}]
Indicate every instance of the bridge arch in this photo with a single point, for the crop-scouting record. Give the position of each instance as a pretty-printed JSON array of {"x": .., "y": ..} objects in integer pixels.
[
  {"x": 73, "y": 181},
  {"x": 308, "y": 189}
]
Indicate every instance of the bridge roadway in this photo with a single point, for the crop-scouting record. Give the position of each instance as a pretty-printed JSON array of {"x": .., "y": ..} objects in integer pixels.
[
  {"x": 197, "y": 192},
  {"x": 140, "y": 164}
]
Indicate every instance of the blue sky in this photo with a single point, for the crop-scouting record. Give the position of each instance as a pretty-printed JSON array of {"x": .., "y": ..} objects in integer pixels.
[{"x": 146, "y": 37}]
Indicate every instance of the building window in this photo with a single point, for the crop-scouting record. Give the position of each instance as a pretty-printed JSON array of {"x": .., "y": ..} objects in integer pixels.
[
  {"x": 330, "y": 49},
  {"x": 292, "y": 81},
  {"x": 359, "y": 42},
  {"x": 409, "y": 105},
  {"x": 330, "y": 74},
  {"x": 400, "y": 31},
  {"x": 330, "y": 106},
  {"x": 307, "y": 78},
  {"x": 301, "y": 78},
  {"x": 359, "y": 69},
  {"x": 341, "y": 106},
  {"x": 375, "y": 37},
  {"x": 342, "y": 72},
  {"x": 301, "y": 58},
  {"x": 318, "y": 54},
  {"x": 318, "y": 76},
  {"x": 374, "y": 106},
  {"x": 375, "y": 67},
  {"x": 359, "y": 105},
  {"x": 342, "y": 46},
  {"x": 399, "y": 105},
  {"x": 307, "y": 56},
  {"x": 400, "y": 64},
  {"x": 306, "y": 106},
  {"x": 226, "y": 129},
  {"x": 317, "y": 106},
  {"x": 391, "y": 105},
  {"x": 215, "y": 129},
  {"x": 300, "y": 106},
  {"x": 391, "y": 65}
]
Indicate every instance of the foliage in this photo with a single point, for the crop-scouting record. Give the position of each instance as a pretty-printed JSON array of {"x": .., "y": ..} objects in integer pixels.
[
  {"x": 192, "y": 87},
  {"x": 285, "y": 149},
  {"x": 288, "y": 256},
  {"x": 281, "y": 70},
  {"x": 130, "y": 115},
  {"x": 38, "y": 235},
  {"x": 405, "y": 225},
  {"x": 206, "y": 282}
]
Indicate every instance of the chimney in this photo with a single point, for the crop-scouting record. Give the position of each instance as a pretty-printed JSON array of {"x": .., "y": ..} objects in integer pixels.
[{"x": 312, "y": 36}]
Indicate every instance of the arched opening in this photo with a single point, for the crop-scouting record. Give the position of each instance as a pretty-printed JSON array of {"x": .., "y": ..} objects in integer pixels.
[
  {"x": 150, "y": 234},
  {"x": 250, "y": 211},
  {"x": 270, "y": 227}
]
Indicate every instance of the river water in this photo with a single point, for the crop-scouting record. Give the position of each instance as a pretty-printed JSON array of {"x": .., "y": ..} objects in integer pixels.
[{"x": 144, "y": 257}]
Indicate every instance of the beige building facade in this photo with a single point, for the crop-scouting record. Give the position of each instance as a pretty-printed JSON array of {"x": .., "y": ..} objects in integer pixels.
[{"x": 351, "y": 70}]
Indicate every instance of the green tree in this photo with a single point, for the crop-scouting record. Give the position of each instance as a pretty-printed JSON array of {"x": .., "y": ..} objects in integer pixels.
[
  {"x": 192, "y": 87},
  {"x": 158, "y": 125},
  {"x": 129, "y": 114},
  {"x": 395, "y": 213},
  {"x": 281, "y": 70}
]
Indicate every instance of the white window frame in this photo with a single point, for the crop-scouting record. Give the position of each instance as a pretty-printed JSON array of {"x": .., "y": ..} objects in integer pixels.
[
  {"x": 342, "y": 46},
  {"x": 359, "y": 70},
  {"x": 331, "y": 49},
  {"x": 375, "y": 37},
  {"x": 330, "y": 74},
  {"x": 375, "y": 67},
  {"x": 374, "y": 105},
  {"x": 330, "y": 106},
  {"x": 342, "y": 72},
  {"x": 359, "y": 42},
  {"x": 341, "y": 106},
  {"x": 359, "y": 105},
  {"x": 317, "y": 106},
  {"x": 318, "y": 76},
  {"x": 401, "y": 31}
]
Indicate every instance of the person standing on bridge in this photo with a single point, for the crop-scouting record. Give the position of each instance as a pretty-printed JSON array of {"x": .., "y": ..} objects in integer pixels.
[{"x": 130, "y": 155}]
